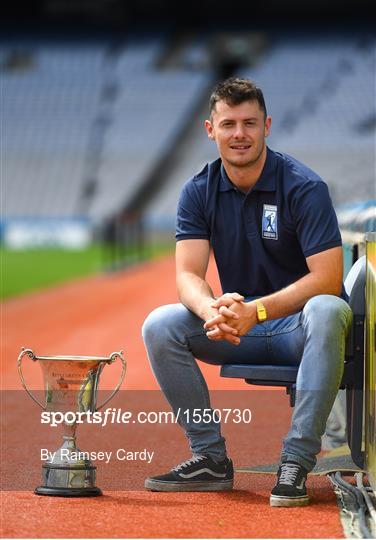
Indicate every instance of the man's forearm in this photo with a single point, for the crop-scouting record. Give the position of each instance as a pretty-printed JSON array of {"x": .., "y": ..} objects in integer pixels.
[
  {"x": 195, "y": 293},
  {"x": 279, "y": 304},
  {"x": 294, "y": 297},
  {"x": 324, "y": 277}
]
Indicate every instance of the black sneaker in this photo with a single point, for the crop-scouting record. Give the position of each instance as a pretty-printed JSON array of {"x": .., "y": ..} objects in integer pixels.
[
  {"x": 290, "y": 489},
  {"x": 199, "y": 473}
]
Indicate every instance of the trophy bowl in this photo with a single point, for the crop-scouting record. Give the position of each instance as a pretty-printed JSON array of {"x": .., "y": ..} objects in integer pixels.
[{"x": 70, "y": 386}]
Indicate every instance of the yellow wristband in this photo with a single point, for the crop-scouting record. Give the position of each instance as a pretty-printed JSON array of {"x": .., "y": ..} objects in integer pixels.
[{"x": 261, "y": 312}]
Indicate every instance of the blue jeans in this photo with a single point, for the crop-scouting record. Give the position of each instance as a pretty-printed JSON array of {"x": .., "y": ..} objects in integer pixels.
[{"x": 314, "y": 339}]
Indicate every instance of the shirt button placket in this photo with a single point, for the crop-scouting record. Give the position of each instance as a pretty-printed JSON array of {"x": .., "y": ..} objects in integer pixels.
[{"x": 249, "y": 217}]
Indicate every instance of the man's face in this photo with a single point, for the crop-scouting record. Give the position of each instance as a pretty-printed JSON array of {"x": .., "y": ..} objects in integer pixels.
[{"x": 239, "y": 132}]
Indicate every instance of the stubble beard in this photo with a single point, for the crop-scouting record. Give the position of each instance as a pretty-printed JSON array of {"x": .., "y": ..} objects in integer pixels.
[{"x": 247, "y": 164}]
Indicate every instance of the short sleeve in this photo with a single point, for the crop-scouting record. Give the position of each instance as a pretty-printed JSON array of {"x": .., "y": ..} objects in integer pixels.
[
  {"x": 190, "y": 218},
  {"x": 315, "y": 219}
]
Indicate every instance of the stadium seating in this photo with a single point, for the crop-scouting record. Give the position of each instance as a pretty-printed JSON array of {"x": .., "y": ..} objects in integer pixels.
[
  {"x": 61, "y": 130},
  {"x": 147, "y": 119},
  {"x": 86, "y": 125},
  {"x": 48, "y": 111}
]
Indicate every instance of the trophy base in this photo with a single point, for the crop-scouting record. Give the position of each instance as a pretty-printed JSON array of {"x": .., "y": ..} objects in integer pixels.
[{"x": 68, "y": 492}]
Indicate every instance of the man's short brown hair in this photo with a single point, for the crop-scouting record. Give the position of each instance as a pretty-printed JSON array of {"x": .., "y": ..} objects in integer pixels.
[{"x": 235, "y": 91}]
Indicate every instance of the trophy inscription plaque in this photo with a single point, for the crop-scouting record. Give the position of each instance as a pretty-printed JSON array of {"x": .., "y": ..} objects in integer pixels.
[{"x": 71, "y": 386}]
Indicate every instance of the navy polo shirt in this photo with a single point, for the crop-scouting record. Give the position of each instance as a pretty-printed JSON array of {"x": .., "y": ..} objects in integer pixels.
[{"x": 260, "y": 239}]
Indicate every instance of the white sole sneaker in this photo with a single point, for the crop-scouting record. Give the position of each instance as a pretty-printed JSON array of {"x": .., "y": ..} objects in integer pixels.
[
  {"x": 279, "y": 500},
  {"x": 158, "y": 485}
]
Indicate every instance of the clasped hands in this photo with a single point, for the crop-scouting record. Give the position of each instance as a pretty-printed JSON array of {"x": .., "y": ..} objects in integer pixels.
[{"x": 231, "y": 319}]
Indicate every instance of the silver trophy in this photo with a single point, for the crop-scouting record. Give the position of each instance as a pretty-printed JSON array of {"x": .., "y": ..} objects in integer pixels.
[{"x": 71, "y": 386}]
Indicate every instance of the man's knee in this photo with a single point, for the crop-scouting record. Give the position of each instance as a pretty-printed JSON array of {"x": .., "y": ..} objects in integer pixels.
[
  {"x": 327, "y": 312},
  {"x": 156, "y": 322},
  {"x": 172, "y": 321}
]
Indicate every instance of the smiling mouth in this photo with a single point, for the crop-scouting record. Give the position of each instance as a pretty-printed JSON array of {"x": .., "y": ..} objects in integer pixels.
[{"x": 240, "y": 146}]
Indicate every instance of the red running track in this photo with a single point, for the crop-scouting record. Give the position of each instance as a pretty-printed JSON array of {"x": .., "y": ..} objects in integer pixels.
[{"x": 97, "y": 316}]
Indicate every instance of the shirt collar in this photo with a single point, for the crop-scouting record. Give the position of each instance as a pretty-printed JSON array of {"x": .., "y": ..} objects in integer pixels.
[
  {"x": 266, "y": 182},
  {"x": 225, "y": 183}
]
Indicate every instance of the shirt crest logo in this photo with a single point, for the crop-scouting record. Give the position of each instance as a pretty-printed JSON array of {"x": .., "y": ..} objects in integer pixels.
[{"x": 270, "y": 222}]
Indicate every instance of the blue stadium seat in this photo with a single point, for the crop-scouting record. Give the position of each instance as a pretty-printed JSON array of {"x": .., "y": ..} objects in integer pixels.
[{"x": 353, "y": 375}]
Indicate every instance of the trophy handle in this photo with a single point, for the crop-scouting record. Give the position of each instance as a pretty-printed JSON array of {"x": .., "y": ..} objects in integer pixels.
[
  {"x": 110, "y": 360},
  {"x": 31, "y": 355}
]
